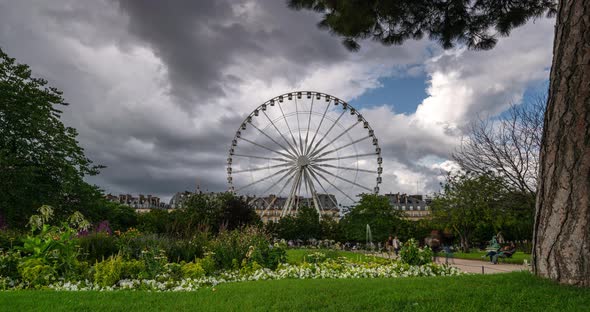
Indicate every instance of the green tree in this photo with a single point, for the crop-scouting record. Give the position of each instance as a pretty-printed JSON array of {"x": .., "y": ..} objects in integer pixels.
[
  {"x": 469, "y": 201},
  {"x": 212, "y": 212},
  {"x": 564, "y": 187},
  {"x": 40, "y": 159},
  {"x": 330, "y": 229},
  {"x": 377, "y": 212},
  {"x": 304, "y": 225},
  {"x": 287, "y": 228},
  {"x": 308, "y": 223}
]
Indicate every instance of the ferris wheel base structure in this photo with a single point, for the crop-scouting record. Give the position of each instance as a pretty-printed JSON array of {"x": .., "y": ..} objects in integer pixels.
[{"x": 304, "y": 144}]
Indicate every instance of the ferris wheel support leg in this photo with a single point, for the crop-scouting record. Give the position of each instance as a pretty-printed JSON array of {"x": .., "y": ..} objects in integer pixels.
[
  {"x": 313, "y": 193},
  {"x": 287, "y": 207}
]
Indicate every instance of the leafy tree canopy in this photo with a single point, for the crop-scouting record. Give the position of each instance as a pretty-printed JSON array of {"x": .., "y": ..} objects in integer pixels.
[
  {"x": 377, "y": 212},
  {"x": 41, "y": 162},
  {"x": 478, "y": 24},
  {"x": 470, "y": 201}
]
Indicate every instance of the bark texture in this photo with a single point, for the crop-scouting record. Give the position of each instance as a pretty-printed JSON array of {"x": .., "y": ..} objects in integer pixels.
[{"x": 562, "y": 222}]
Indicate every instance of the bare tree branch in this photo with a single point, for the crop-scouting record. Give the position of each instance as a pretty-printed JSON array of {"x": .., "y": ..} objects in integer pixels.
[{"x": 508, "y": 146}]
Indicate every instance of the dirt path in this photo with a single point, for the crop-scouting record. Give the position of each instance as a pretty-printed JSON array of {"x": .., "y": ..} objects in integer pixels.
[{"x": 476, "y": 266}]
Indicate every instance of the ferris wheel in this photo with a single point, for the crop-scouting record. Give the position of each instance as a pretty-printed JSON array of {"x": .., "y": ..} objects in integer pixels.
[{"x": 304, "y": 148}]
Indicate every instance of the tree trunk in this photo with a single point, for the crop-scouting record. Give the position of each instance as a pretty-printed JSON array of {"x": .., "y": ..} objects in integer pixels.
[
  {"x": 561, "y": 249},
  {"x": 464, "y": 243}
]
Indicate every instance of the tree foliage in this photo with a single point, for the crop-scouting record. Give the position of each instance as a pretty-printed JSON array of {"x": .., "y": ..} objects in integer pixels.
[
  {"x": 40, "y": 159},
  {"x": 470, "y": 201},
  {"x": 201, "y": 213},
  {"x": 377, "y": 212},
  {"x": 304, "y": 225},
  {"x": 477, "y": 24}
]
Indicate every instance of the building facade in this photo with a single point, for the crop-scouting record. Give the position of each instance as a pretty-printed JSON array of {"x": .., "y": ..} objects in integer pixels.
[
  {"x": 141, "y": 203},
  {"x": 414, "y": 207},
  {"x": 270, "y": 208}
]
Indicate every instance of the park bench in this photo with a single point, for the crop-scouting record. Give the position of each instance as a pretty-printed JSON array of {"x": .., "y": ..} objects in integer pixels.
[{"x": 505, "y": 254}]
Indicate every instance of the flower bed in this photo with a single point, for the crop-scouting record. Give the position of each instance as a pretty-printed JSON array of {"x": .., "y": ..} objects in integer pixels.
[{"x": 330, "y": 269}]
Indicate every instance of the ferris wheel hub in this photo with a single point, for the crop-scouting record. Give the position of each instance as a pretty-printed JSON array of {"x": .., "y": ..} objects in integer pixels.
[{"x": 303, "y": 161}]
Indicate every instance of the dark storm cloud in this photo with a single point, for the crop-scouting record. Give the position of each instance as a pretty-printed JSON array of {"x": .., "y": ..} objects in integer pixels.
[{"x": 197, "y": 40}]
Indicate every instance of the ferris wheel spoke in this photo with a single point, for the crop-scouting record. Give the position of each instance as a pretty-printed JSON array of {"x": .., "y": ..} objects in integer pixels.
[
  {"x": 280, "y": 133},
  {"x": 343, "y": 146},
  {"x": 332, "y": 184},
  {"x": 287, "y": 123},
  {"x": 347, "y": 168},
  {"x": 262, "y": 179},
  {"x": 308, "y": 124},
  {"x": 288, "y": 174},
  {"x": 268, "y": 148},
  {"x": 327, "y": 132},
  {"x": 299, "y": 126},
  {"x": 277, "y": 143},
  {"x": 344, "y": 157},
  {"x": 334, "y": 140},
  {"x": 319, "y": 126},
  {"x": 343, "y": 179},
  {"x": 261, "y": 168},
  {"x": 261, "y": 157},
  {"x": 310, "y": 172}
]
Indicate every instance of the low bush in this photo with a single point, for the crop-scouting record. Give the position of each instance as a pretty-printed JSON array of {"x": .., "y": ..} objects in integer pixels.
[
  {"x": 108, "y": 272},
  {"x": 232, "y": 249},
  {"x": 192, "y": 270},
  {"x": 131, "y": 269},
  {"x": 98, "y": 246},
  {"x": 35, "y": 273},
  {"x": 412, "y": 254},
  {"x": 9, "y": 261}
]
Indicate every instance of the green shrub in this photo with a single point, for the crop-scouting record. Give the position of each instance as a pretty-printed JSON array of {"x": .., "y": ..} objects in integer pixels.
[
  {"x": 192, "y": 270},
  {"x": 36, "y": 273},
  {"x": 154, "y": 260},
  {"x": 180, "y": 250},
  {"x": 249, "y": 244},
  {"x": 208, "y": 263},
  {"x": 173, "y": 271},
  {"x": 132, "y": 269},
  {"x": 411, "y": 254},
  {"x": 108, "y": 272},
  {"x": 316, "y": 257},
  {"x": 9, "y": 261},
  {"x": 133, "y": 247},
  {"x": 98, "y": 246},
  {"x": 54, "y": 245}
]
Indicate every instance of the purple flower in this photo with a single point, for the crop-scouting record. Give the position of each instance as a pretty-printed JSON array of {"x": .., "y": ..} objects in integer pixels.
[
  {"x": 83, "y": 233},
  {"x": 103, "y": 226}
]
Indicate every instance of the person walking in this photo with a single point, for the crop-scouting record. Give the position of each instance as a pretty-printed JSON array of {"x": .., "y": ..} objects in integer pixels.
[
  {"x": 396, "y": 244},
  {"x": 389, "y": 246}
]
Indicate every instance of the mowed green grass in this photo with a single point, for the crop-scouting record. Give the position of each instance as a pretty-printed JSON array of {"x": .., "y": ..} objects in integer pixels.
[
  {"x": 517, "y": 258},
  {"x": 295, "y": 256},
  {"x": 498, "y": 292}
]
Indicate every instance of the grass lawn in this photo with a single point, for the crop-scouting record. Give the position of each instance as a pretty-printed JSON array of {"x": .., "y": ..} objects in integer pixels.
[
  {"x": 498, "y": 292},
  {"x": 295, "y": 256},
  {"x": 517, "y": 258}
]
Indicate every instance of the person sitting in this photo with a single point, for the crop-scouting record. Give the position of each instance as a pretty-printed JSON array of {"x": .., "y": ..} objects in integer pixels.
[
  {"x": 508, "y": 251},
  {"x": 493, "y": 254}
]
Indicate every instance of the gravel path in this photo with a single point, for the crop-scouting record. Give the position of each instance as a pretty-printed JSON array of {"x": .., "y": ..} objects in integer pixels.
[{"x": 476, "y": 266}]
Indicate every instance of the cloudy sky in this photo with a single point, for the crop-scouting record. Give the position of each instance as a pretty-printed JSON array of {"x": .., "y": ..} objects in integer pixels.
[{"x": 158, "y": 88}]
